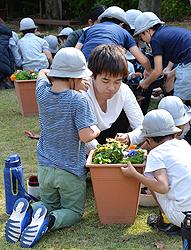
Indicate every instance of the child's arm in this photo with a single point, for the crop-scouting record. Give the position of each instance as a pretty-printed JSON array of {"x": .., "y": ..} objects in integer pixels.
[
  {"x": 144, "y": 61},
  {"x": 156, "y": 72},
  {"x": 157, "y": 184},
  {"x": 48, "y": 55},
  {"x": 88, "y": 134},
  {"x": 79, "y": 46}
]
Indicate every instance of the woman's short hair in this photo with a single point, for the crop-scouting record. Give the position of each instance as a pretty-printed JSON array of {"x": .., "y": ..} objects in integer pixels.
[{"x": 109, "y": 59}]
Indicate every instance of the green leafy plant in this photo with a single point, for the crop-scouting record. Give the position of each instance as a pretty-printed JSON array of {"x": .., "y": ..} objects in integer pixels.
[
  {"x": 114, "y": 152},
  {"x": 24, "y": 75}
]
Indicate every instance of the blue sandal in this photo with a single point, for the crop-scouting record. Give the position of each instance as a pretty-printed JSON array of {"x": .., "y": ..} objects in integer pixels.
[
  {"x": 18, "y": 220},
  {"x": 36, "y": 229}
]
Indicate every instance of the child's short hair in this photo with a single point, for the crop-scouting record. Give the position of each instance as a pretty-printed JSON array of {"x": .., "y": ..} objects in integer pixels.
[
  {"x": 159, "y": 139},
  {"x": 96, "y": 11},
  {"x": 109, "y": 59},
  {"x": 28, "y": 31}
]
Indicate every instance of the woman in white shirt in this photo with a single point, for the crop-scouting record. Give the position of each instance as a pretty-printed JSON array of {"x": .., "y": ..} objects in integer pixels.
[{"x": 112, "y": 101}]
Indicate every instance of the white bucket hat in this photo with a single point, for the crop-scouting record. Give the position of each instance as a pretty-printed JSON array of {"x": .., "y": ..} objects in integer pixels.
[
  {"x": 53, "y": 43},
  {"x": 66, "y": 31},
  {"x": 114, "y": 12},
  {"x": 176, "y": 108},
  {"x": 69, "y": 62},
  {"x": 131, "y": 15},
  {"x": 158, "y": 122},
  {"x": 27, "y": 24},
  {"x": 145, "y": 21}
]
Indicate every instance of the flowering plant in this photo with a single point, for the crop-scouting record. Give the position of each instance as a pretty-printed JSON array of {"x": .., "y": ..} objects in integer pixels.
[
  {"x": 24, "y": 75},
  {"x": 114, "y": 152}
]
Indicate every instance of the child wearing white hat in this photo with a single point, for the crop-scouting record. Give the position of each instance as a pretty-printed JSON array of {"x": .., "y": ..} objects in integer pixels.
[
  {"x": 168, "y": 169},
  {"x": 67, "y": 123},
  {"x": 63, "y": 35},
  {"x": 181, "y": 114},
  {"x": 131, "y": 15},
  {"x": 34, "y": 50},
  {"x": 53, "y": 44},
  {"x": 110, "y": 31},
  {"x": 169, "y": 44}
]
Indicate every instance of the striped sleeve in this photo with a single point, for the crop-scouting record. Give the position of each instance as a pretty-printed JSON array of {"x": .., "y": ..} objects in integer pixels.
[{"x": 84, "y": 115}]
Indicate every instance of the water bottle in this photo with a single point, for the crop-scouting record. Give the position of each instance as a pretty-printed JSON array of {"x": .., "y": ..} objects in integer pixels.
[
  {"x": 33, "y": 188},
  {"x": 13, "y": 181},
  {"x": 186, "y": 232}
]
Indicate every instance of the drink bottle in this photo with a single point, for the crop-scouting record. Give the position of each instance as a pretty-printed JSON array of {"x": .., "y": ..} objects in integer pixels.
[
  {"x": 13, "y": 181},
  {"x": 186, "y": 232}
]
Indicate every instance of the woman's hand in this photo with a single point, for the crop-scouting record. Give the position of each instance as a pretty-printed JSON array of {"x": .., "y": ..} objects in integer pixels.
[
  {"x": 123, "y": 137},
  {"x": 129, "y": 171}
]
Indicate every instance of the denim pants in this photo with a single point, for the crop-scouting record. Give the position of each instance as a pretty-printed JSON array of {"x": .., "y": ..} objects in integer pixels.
[{"x": 63, "y": 194}]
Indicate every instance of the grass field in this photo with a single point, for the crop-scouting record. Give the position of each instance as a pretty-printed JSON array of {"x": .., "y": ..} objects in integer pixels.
[{"x": 89, "y": 233}]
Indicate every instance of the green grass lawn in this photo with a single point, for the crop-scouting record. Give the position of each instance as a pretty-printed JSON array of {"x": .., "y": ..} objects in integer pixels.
[{"x": 89, "y": 233}]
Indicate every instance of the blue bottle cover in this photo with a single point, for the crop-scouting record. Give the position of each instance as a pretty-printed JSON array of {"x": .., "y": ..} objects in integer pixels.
[{"x": 13, "y": 181}]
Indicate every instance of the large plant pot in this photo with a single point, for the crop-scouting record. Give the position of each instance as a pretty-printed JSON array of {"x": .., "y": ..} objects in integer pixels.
[
  {"x": 116, "y": 195},
  {"x": 26, "y": 96}
]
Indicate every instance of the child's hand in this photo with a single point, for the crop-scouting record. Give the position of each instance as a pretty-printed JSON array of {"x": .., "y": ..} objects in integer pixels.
[
  {"x": 43, "y": 72},
  {"x": 136, "y": 74},
  {"x": 85, "y": 83},
  {"x": 143, "y": 85},
  {"x": 129, "y": 171},
  {"x": 123, "y": 137}
]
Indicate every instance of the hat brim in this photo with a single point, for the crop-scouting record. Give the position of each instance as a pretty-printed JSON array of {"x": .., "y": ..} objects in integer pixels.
[
  {"x": 173, "y": 130},
  {"x": 137, "y": 32},
  {"x": 70, "y": 74},
  {"x": 183, "y": 120},
  {"x": 123, "y": 20},
  {"x": 29, "y": 28}
]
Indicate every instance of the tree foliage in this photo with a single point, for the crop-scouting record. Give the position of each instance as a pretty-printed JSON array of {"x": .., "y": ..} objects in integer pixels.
[
  {"x": 175, "y": 9},
  {"x": 79, "y": 9}
]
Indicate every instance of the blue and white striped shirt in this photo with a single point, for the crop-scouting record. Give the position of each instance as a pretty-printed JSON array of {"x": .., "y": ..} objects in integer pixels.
[{"x": 62, "y": 115}]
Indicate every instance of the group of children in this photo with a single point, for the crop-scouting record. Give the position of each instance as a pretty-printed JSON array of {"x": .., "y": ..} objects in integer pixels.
[
  {"x": 70, "y": 118},
  {"x": 30, "y": 52}
]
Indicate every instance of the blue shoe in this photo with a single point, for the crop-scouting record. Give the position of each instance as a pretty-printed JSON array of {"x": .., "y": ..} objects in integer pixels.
[
  {"x": 36, "y": 229},
  {"x": 18, "y": 220}
]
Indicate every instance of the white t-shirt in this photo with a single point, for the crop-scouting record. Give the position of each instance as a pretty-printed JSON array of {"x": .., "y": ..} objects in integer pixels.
[
  {"x": 175, "y": 156},
  {"x": 123, "y": 99}
]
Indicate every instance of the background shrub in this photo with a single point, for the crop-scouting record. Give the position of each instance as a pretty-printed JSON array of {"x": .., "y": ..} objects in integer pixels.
[{"x": 175, "y": 9}]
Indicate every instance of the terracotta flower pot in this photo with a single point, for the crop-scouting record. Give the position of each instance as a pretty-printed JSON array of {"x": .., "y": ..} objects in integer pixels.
[
  {"x": 116, "y": 195},
  {"x": 26, "y": 96}
]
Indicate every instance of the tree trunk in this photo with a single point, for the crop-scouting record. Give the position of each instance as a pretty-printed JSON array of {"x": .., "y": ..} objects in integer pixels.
[
  {"x": 150, "y": 5},
  {"x": 52, "y": 9}
]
